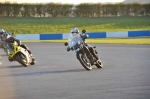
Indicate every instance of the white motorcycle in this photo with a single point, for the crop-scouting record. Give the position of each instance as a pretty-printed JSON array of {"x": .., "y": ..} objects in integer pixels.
[{"x": 87, "y": 56}]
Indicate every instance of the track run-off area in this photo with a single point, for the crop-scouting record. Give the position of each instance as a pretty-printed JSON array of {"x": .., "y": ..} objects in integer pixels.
[{"x": 57, "y": 74}]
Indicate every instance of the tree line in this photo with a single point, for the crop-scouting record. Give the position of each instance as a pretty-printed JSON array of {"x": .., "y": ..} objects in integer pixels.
[{"x": 69, "y": 10}]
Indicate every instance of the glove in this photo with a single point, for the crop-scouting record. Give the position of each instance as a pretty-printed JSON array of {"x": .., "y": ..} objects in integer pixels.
[
  {"x": 83, "y": 31},
  {"x": 84, "y": 36},
  {"x": 65, "y": 43},
  {"x": 68, "y": 49}
]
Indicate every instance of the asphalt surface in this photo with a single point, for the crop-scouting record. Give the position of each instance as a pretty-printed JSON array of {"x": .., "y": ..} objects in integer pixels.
[{"x": 59, "y": 75}]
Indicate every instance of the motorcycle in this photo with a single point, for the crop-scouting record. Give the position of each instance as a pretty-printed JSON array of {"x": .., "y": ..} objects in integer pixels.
[
  {"x": 87, "y": 56},
  {"x": 19, "y": 54}
]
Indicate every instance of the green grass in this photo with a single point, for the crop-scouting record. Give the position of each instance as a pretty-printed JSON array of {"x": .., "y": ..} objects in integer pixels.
[
  {"x": 64, "y": 25},
  {"x": 136, "y": 40}
]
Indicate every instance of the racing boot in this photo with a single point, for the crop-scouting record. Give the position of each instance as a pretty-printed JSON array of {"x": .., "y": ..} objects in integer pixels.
[{"x": 10, "y": 59}]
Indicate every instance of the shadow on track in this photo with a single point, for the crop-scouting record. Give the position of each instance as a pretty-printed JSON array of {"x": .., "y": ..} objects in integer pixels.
[
  {"x": 45, "y": 72},
  {"x": 3, "y": 55},
  {"x": 16, "y": 66}
]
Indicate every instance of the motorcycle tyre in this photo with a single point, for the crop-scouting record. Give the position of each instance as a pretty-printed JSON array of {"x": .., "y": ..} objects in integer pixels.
[
  {"x": 21, "y": 60},
  {"x": 80, "y": 55},
  {"x": 99, "y": 64},
  {"x": 33, "y": 62}
]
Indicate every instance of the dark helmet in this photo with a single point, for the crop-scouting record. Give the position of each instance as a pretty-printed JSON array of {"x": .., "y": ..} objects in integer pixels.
[
  {"x": 75, "y": 30},
  {"x": 83, "y": 31}
]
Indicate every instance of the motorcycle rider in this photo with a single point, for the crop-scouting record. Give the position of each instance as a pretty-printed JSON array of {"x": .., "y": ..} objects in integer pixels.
[
  {"x": 1, "y": 33},
  {"x": 7, "y": 38},
  {"x": 84, "y": 36},
  {"x": 1, "y": 43}
]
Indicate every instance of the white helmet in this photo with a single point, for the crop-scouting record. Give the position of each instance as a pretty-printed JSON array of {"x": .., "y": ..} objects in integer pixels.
[
  {"x": 1, "y": 31},
  {"x": 5, "y": 36},
  {"x": 75, "y": 30}
]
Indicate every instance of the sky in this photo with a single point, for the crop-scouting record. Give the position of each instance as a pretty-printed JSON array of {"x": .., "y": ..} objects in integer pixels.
[{"x": 65, "y": 1}]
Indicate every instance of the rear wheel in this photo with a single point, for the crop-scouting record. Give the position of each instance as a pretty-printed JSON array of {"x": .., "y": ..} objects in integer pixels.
[
  {"x": 21, "y": 58},
  {"x": 84, "y": 61},
  {"x": 99, "y": 64},
  {"x": 33, "y": 62}
]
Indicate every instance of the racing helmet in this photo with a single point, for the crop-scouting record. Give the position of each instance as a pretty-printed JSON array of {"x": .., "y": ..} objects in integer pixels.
[
  {"x": 75, "y": 30},
  {"x": 1, "y": 31},
  {"x": 5, "y": 36}
]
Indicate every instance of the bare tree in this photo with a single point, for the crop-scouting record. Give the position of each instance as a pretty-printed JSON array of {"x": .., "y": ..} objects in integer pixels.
[
  {"x": 8, "y": 8},
  {"x": 39, "y": 9},
  {"x": 2, "y": 9},
  {"x": 16, "y": 9},
  {"x": 136, "y": 8},
  {"x": 98, "y": 9},
  {"x": 146, "y": 8}
]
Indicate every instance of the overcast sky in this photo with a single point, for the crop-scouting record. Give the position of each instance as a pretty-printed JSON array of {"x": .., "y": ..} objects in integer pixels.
[{"x": 64, "y": 1}]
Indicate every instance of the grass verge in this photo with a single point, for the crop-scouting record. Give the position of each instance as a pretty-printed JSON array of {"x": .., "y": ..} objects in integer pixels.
[{"x": 27, "y": 25}]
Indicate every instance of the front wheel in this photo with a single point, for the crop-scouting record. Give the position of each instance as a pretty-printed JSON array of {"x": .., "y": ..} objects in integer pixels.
[{"x": 84, "y": 61}]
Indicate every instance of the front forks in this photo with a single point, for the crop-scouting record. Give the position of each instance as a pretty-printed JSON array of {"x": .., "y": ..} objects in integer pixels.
[
  {"x": 89, "y": 55},
  {"x": 94, "y": 52}
]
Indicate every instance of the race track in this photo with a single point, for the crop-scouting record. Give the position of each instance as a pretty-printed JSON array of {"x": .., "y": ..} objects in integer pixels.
[{"x": 59, "y": 75}]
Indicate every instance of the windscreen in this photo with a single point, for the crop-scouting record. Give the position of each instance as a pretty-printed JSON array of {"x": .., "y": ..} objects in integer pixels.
[{"x": 74, "y": 39}]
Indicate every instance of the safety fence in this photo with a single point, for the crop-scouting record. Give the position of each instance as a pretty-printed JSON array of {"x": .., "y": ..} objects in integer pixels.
[{"x": 91, "y": 35}]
